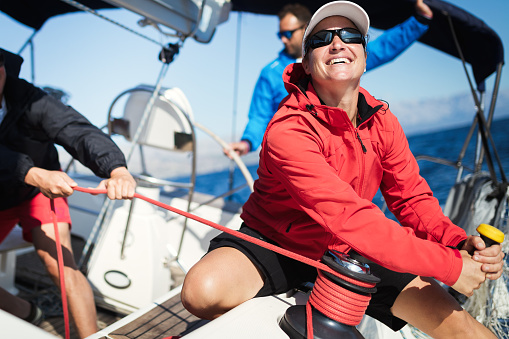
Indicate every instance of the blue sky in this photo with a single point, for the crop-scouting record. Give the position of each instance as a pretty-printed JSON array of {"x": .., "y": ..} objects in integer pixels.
[{"x": 94, "y": 61}]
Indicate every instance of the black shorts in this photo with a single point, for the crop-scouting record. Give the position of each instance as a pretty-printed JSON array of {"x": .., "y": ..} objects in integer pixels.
[{"x": 282, "y": 274}]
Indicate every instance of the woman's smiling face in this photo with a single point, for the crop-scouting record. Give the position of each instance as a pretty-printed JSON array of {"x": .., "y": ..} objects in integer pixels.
[{"x": 337, "y": 61}]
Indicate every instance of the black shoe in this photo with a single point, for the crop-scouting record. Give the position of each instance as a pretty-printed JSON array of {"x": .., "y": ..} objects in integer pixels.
[{"x": 36, "y": 316}]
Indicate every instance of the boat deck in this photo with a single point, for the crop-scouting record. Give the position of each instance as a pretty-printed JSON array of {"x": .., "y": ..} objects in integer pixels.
[
  {"x": 167, "y": 319},
  {"x": 34, "y": 284}
]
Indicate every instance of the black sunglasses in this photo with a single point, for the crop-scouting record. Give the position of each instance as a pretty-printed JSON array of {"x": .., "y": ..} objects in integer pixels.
[
  {"x": 323, "y": 38},
  {"x": 288, "y": 34},
  {"x": 2, "y": 60}
]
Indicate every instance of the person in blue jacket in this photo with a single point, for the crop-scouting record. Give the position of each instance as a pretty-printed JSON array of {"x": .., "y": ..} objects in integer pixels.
[{"x": 270, "y": 90}]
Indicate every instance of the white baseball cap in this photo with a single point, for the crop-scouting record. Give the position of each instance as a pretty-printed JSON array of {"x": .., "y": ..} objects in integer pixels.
[{"x": 349, "y": 10}]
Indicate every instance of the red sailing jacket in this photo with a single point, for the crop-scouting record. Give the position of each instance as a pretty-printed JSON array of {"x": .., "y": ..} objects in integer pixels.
[{"x": 318, "y": 175}]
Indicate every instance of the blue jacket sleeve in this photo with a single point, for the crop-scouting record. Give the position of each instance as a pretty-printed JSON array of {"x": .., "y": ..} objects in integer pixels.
[
  {"x": 263, "y": 106},
  {"x": 393, "y": 42}
]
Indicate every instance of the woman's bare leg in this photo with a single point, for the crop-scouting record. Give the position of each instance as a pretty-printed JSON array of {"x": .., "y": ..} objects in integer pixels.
[
  {"x": 429, "y": 307},
  {"x": 220, "y": 281}
]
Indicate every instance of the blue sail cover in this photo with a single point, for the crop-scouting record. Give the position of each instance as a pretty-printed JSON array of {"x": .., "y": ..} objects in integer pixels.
[{"x": 480, "y": 45}]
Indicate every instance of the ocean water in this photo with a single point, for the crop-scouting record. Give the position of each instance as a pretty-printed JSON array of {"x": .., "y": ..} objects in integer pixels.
[{"x": 445, "y": 144}]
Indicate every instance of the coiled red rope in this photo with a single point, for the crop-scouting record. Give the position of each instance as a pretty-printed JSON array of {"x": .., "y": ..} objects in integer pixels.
[
  {"x": 327, "y": 297},
  {"x": 336, "y": 302}
]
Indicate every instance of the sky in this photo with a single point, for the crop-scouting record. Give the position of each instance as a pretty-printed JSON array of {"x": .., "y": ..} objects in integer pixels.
[{"x": 94, "y": 61}]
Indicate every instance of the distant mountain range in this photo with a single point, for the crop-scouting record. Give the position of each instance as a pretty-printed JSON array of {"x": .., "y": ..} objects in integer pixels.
[{"x": 426, "y": 115}]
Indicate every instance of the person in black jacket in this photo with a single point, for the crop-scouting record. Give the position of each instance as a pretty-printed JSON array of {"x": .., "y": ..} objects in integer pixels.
[{"x": 31, "y": 123}]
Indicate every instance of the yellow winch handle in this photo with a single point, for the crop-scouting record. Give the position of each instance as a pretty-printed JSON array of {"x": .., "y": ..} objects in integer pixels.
[{"x": 491, "y": 235}]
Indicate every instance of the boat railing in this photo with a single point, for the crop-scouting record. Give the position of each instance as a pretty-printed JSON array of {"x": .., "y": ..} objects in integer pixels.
[{"x": 473, "y": 198}]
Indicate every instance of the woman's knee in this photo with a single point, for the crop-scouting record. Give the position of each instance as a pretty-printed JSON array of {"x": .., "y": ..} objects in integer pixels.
[
  {"x": 197, "y": 286},
  {"x": 220, "y": 281},
  {"x": 200, "y": 292}
]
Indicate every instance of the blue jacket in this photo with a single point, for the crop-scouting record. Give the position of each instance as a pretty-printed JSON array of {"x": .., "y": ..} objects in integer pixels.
[{"x": 270, "y": 90}]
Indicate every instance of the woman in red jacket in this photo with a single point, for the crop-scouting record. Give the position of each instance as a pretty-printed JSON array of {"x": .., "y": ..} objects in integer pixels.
[{"x": 326, "y": 152}]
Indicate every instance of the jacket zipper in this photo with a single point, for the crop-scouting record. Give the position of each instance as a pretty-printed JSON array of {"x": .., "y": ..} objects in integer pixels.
[
  {"x": 288, "y": 228},
  {"x": 364, "y": 150},
  {"x": 362, "y": 165}
]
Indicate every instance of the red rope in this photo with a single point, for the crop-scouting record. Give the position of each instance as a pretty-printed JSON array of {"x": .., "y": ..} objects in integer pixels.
[
  {"x": 327, "y": 297},
  {"x": 338, "y": 303},
  {"x": 238, "y": 234},
  {"x": 60, "y": 258}
]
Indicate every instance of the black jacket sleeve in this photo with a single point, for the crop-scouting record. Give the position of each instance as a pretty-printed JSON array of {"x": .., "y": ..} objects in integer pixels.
[
  {"x": 85, "y": 142},
  {"x": 14, "y": 165}
]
